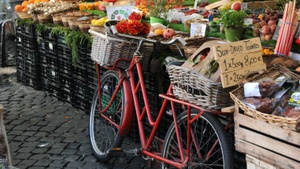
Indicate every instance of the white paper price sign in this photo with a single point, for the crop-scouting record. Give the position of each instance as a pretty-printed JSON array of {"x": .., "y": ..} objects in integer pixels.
[
  {"x": 118, "y": 12},
  {"x": 198, "y": 29},
  {"x": 248, "y": 21}
]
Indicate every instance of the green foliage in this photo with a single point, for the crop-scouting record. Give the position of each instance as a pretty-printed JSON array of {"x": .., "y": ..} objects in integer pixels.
[
  {"x": 232, "y": 19},
  {"x": 160, "y": 8}
]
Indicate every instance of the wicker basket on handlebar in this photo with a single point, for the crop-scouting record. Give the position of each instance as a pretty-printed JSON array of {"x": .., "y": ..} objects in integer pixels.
[
  {"x": 196, "y": 88},
  {"x": 106, "y": 50}
]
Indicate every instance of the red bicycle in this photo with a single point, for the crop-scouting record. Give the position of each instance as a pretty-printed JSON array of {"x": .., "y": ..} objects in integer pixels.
[{"x": 195, "y": 139}]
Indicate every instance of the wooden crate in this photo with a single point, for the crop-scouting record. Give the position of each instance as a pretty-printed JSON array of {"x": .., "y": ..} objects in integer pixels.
[
  {"x": 261, "y": 4},
  {"x": 267, "y": 142},
  {"x": 254, "y": 163}
]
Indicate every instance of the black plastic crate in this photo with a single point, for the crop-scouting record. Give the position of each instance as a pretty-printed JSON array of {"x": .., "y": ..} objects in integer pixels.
[
  {"x": 65, "y": 95},
  {"x": 46, "y": 34},
  {"x": 65, "y": 57},
  {"x": 53, "y": 89},
  {"x": 61, "y": 40},
  {"x": 66, "y": 81},
  {"x": 90, "y": 92},
  {"x": 80, "y": 102},
  {"x": 63, "y": 49},
  {"x": 21, "y": 76},
  {"x": 65, "y": 66},
  {"x": 79, "y": 87},
  {"x": 51, "y": 47},
  {"x": 79, "y": 72},
  {"x": 43, "y": 69},
  {"x": 41, "y": 43},
  {"x": 32, "y": 68},
  {"x": 30, "y": 54},
  {"x": 33, "y": 81},
  {"x": 44, "y": 83},
  {"x": 53, "y": 74},
  {"x": 91, "y": 77},
  {"x": 52, "y": 61},
  {"x": 42, "y": 56},
  {"x": 27, "y": 28},
  {"x": 27, "y": 40},
  {"x": 20, "y": 62}
]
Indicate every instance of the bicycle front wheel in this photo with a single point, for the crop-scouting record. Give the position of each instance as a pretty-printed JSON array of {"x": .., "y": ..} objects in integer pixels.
[
  {"x": 209, "y": 145},
  {"x": 103, "y": 134}
]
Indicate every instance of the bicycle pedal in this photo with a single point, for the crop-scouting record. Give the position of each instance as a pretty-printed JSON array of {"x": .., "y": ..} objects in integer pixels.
[
  {"x": 115, "y": 152},
  {"x": 133, "y": 152}
]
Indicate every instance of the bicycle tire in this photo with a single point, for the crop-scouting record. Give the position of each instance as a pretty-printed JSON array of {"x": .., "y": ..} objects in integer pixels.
[
  {"x": 209, "y": 128},
  {"x": 103, "y": 135}
]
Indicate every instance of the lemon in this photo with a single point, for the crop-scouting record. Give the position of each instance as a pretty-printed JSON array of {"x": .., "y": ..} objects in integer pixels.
[
  {"x": 102, "y": 21},
  {"x": 94, "y": 21},
  {"x": 106, "y": 20},
  {"x": 98, "y": 23}
]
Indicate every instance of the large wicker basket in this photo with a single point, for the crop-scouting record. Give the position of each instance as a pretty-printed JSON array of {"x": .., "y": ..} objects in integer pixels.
[
  {"x": 24, "y": 15},
  {"x": 106, "y": 49},
  {"x": 238, "y": 94},
  {"x": 198, "y": 89}
]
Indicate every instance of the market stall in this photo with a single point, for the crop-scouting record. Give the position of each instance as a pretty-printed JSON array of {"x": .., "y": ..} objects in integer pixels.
[{"x": 229, "y": 43}]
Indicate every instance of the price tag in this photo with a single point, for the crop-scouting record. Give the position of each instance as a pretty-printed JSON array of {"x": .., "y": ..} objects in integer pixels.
[
  {"x": 248, "y": 21},
  {"x": 275, "y": 35},
  {"x": 118, "y": 12},
  {"x": 244, "y": 6},
  {"x": 50, "y": 46},
  {"x": 236, "y": 77},
  {"x": 19, "y": 39},
  {"x": 198, "y": 29}
]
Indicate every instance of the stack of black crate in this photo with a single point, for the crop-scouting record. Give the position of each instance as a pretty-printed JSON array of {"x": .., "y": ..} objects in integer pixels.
[
  {"x": 65, "y": 70},
  {"x": 28, "y": 69},
  {"x": 91, "y": 76},
  {"x": 80, "y": 79},
  {"x": 50, "y": 79}
]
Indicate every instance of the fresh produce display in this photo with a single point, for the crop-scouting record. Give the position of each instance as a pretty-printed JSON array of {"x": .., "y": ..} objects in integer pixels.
[{"x": 48, "y": 8}]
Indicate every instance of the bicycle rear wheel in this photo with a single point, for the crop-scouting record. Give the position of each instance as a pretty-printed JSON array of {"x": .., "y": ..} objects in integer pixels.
[
  {"x": 104, "y": 136},
  {"x": 209, "y": 146}
]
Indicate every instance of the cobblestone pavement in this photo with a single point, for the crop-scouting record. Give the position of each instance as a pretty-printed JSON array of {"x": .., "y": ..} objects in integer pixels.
[{"x": 46, "y": 133}]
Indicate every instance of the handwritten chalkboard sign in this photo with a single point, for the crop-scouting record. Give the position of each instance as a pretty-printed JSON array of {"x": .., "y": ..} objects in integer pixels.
[{"x": 237, "y": 59}]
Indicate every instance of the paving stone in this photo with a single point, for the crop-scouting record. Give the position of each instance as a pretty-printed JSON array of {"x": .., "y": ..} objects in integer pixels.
[
  {"x": 72, "y": 158},
  {"x": 16, "y": 132},
  {"x": 39, "y": 156},
  {"x": 55, "y": 151},
  {"x": 43, "y": 162},
  {"x": 20, "y": 138},
  {"x": 73, "y": 145},
  {"x": 32, "y": 138},
  {"x": 57, "y": 157},
  {"x": 76, "y": 164},
  {"x": 48, "y": 128},
  {"x": 22, "y": 156},
  {"x": 25, "y": 149},
  {"x": 90, "y": 158},
  {"x": 26, "y": 162},
  {"x": 69, "y": 151},
  {"x": 27, "y": 133},
  {"x": 59, "y": 145},
  {"x": 58, "y": 163},
  {"x": 30, "y": 144},
  {"x": 33, "y": 128},
  {"x": 39, "y": 150},
  {"x": 33, "y": 167},
  {"x": 41, "y": 134}
]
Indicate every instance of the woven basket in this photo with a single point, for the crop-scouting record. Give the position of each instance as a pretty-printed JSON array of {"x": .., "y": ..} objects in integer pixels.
[
  {"x": 24, "y": 15},
  {"x": 196, "y": 88},
  {"x": 238, "y": 94},
  {"x": 107, "y": 49}
]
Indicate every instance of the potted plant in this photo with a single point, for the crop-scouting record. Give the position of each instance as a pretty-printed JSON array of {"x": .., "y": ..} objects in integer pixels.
[
  {"x": 158, "y": 9},
  {"x": 233, "y": 23}
]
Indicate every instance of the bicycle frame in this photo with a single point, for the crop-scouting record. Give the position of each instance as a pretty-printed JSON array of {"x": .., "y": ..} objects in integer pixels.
[{"x": 132, "y": 87}]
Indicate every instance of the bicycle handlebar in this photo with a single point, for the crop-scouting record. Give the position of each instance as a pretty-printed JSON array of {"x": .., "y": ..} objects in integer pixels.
[{"x": 179, "y": 39}]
